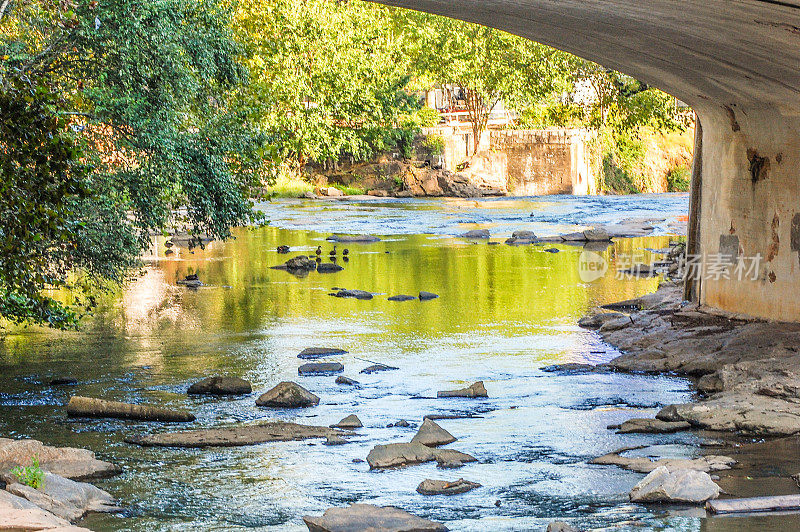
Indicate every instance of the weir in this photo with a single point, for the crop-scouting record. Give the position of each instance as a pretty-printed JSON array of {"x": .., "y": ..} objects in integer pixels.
[{"x": 737, "y": 63}]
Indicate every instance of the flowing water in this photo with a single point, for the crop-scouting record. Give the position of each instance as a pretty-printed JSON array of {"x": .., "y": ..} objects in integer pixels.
[{"x": 503, "y": 313}]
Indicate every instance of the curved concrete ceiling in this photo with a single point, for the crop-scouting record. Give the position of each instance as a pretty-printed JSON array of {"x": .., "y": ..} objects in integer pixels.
[{"x": 729, "y": 52}]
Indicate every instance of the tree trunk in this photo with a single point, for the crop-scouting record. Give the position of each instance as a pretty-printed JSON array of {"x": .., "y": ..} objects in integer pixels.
[{"x": 90, "y": 407}]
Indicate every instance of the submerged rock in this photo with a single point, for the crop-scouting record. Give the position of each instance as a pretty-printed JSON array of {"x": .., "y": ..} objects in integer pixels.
[
  {"x": 288, "y": 394},
  {"x": 574, "y": 368},
  {"x": 355, "y": 294},
  {"x": 404, "y": 454},
  {"x": 320, "y": 368},
  {"x": 100, "y": 408},
  {"x": 444, "y": 487},
  {"x": 368, "y": 517},
  {"x": 64, "y": 498},
  {"x": 402, "y": 423},
  {"x": 312, "y": 353},
  {"x": 354, "y": 238},
  {"x": 68, "y": 462},
  {"x": 235, "y": 436},
  {"x": 341, "y": 379},
  {"x": 335, "y": 440},
  {"x": 328, "y": 267},
  {"x": 474, "y": 390},
  {"x": 377, "y": 367},
  {"x": 350, "y": 422},
  {"x": 432, "y": 435},
  {"x": 427, "y": 296},
  {"x": 221, "y": 386},
  {"x": 651, "y": 426},
  {"x": 643, "y": 464},
  {"x": 401, "y": 297},
  {"x": 63, "y": 381},
  {"x": 682, "y": 486}
]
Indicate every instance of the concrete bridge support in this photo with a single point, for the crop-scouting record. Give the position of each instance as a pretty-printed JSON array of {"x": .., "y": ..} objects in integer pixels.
[{"x": 737, "y": 63}]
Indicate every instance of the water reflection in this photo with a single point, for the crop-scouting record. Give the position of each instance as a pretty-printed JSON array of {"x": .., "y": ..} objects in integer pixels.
[{"x": 503, "y": 312}]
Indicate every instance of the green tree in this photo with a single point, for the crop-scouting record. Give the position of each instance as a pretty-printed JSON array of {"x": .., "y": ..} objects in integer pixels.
[
  {"x": 128, "y": 127},
  {"x": 488, "y": 65},
  {"x": 327, "y": 78}
]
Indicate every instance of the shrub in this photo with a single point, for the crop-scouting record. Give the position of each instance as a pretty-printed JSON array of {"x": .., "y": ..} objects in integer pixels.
[
  {"x": 434, "y": 144},
  {"x": 31, "y": 475},
  {"x": 427, "y": 117},
  {"x": 679, "y": 179}
]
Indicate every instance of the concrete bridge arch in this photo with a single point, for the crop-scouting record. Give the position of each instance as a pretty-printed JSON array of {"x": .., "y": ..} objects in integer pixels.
[{"x": 737, "y": 63}]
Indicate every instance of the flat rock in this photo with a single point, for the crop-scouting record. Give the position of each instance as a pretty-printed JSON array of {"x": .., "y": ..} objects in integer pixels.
[
  {"x": 350, "y": 422},
  {"x": 355, "y": 294},
  {"x": 376, "y": 368},
  {"x": 401, "y": 297},
  {"x": 523, "y": 234},
  {"x": 328, "y": 267},
  {"x": 476, "y": 234},
  {"x": 404, "y": 454},
  {"x": 320, "y": 368},
  {"x": 221, "y": 386},
  {"x": 652, "y": 426},
  {"x": 65, "y": 498},
  {"x": 288, "y": 394},
  {"x": 347, "y": 381},
  {"x": 427, "y": 296},
  {"x": 235, "y": 436},
  {"x": 681, "y": 486},
  {"x": 311, "y": 353},
  {"x": 643, "y": 464},
  {"x": 335, "y": 440},
  {"x": 370, "y": 518},
  {"x": 68, "y": 462},
  {"x": 445, "y": 487},
  {"x": 100, "y": 408},
  {"x": 354, "y": 238},
  {"x": 598, "y": 320},
  {"x": 432, "y": 435},
  {"x": 19, "y": 514},
  {"x": 474, "y": 390},
  {"x": 575, "y": 368}
]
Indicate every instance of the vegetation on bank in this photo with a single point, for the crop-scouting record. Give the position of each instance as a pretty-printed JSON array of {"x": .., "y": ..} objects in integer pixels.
[{"x": 128, "y": 118}]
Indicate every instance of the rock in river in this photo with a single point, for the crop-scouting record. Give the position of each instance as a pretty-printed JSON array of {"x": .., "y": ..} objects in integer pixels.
[
  {"x": 328, "y": 267},
  {"x": 312, "y": 353},
  {"x": 69, "y": 462},
  {"x": 90, "y": 407},
  {"x": 368, "y": 517},
  {"x": 288, "y": 394},
  {"x": 63, "y": 381},
  {"x": 355, "y": 294},
  {"x": 341, "y": 379},
  {"x": 320, "y": 368},
  {"x": 363, "y": 239},
  {"x": 476, "y": 233},
  {"x": 432, "y": 435},
  {"x": 220, "y": 386},
  {"x": 444, "y": 487},
  {"x": 651, "y": 426},
  {"x": 350, "y": 422},
  {"x": 560, "y": 526},
  {"x": 643, "y": 464},
  {"x": 427, "y": 296},
  {"x": 475, "y": 390},
  {"x": 20, "y": 514},
  {"x": 681, "y": 486},
  {"x": 401, "y": 297},
  {"x": 235, "y": 436},
  {"x": 403, "y": 454},
  {"x": 64, "y": 498},
  {"x": 377, "y": 367},
  {"x": 299, "y": 263}
]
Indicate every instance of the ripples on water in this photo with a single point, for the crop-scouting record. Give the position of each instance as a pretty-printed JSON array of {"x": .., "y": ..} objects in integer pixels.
[{"x": 504, "y": 312}]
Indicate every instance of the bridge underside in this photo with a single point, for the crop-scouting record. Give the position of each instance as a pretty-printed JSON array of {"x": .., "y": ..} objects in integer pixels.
[{"x": 737, "y": 63}]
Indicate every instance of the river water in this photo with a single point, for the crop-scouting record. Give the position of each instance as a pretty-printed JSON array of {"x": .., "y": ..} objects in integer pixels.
[{"x": 503, "y": 313}]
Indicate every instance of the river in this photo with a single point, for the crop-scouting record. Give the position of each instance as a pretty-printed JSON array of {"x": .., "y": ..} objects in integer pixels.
[{"x": 503, "y": 313}]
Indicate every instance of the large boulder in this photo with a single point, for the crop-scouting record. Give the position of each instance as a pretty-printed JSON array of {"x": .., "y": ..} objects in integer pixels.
[
  {"x": 476, "y": 234},
  {"x": 235, "y": 436},
  {"x": 367, "y": 517},
  {"x": 404, "y": 454},
  {"x": 681, "y": 486},
  {"x": 64, "y": 498},
  {"x": 220, "y": 386},
  {"x": 100, "y": 408},
  {"x": 445, "y": 487},
  {"x": 69, "y": 462},
  {"x": 19, "y": 514},
  {"x": 350, "y": 422},
  {"x": 288, "y": 394},
  {"x": 320, "y": 368},
  {"x": 432, "y": 435},
  {"x": 474, "y": 390}
]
